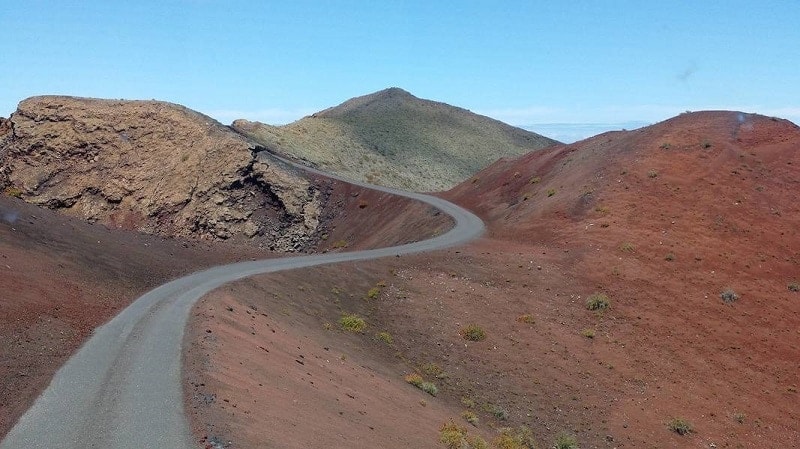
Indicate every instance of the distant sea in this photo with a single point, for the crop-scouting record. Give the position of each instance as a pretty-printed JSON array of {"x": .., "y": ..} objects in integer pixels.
[{"x": 573, "y": 132}]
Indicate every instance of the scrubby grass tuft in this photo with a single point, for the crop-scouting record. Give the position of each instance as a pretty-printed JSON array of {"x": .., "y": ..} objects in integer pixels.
[
  {"x": 566, "y": 441},
  {"x": 680, "y": 426},
  {"x": 598, "y": 301},
  {"x": 385, "y": 337},
  {"x": 352, "y": 323},
  {"x": 473, "y": 332}
]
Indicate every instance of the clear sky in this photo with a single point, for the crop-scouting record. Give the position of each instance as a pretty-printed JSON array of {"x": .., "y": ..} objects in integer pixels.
[{"x": 523, "y": 62}]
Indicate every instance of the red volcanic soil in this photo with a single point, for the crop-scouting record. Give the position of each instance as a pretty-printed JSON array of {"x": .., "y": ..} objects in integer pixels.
[
  {"x": 662, "y": 220},
  {"x": 62, "y": 277}
]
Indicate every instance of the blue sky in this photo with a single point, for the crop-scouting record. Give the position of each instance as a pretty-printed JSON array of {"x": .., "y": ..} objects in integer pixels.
[{"x": 528, "y": 62}]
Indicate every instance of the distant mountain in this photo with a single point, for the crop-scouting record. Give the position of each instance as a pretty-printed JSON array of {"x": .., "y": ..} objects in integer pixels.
[{"x": 395, "y": 139}]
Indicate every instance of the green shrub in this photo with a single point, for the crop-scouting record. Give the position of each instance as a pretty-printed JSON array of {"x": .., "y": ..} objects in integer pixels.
[
  {"x": 551, "y": 192},
  {"x": 588, "y": 333},
  {"x": 352, "y": 323},
  {"x": 430, "y": 388},
  {"x": 385, "y": 337},
  {"x": 566, "y": 441},
  {"x": 473, "y": 332},
  {"x": 373, "y": 293},
  {"x": 680, "y": 426},
  {"x": 470, "y": 416},
  {"x": 452, "y": 435},
  {"x": 793, "y": 287},
  {"x": 598, "y": 301},
  {"x": 14, "y": 192}
]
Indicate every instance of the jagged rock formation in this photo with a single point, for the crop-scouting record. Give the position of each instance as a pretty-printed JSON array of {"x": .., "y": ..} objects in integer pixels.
[
  {"x": 155, "y": 167},
  {"x": 395, "y": 139}
]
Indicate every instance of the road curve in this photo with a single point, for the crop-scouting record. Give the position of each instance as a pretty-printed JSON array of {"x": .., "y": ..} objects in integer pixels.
[{"x": 122, "y": 389}]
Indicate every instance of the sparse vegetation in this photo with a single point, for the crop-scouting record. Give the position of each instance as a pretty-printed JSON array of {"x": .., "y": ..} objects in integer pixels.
[
  {"x": 627, "y": 247},
  {"x": 551, "y": 192},
  {"x": 536, "y": 180},
  {"x": 601, "y": 209},
  {"x": 499, "y": 412},
  {"x": 473, "y": 332},
  {"x": 430, "y": 388},
  {"x": 728, "y": 296},
  {"x": 373, "y": 293},
  {"x": 414, "y": 379},
  {"x": 454, "y": 436},
  {"x": 339, "y": 244},
  {"x": 433, "y": 369},
  {"x": 352, "y": 323},
  {"x": 793, "y": 287},
  {"x": 665, "y": 146},
  {"x": 385, "y": 337},
  {"x": 566, "y": 441},
  {"x": 739, "y": 417},
  {"x": 418, "y": 381},
  {"x": 680, "y": 426},
  {"x": 598, "y": 301},
  {"x": 652, "y": 174},
  {"x": 468, "y": 402},
  {"x": 669, "y": 257},
  {"x": 526, "y": 318},
  {"x": 522, "y": 438},
  {"x": 588, "y": 333},
  {"x": 706, "y": 144},
  {"x": 13, "y": 192},
  {"x": 470, "y": 417}
]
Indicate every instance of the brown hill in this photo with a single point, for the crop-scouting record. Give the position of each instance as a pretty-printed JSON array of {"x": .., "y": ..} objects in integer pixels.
[
  {"x": 158, "y": 168},
  {"x": 395, "y": 139},
  {"x": 662, "y": 220}
]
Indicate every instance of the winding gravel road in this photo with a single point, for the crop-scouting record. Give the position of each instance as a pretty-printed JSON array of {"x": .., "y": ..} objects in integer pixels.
[{"x": 122, "y": 389}]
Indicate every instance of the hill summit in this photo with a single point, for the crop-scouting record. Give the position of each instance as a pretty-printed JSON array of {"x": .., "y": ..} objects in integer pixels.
[{"x": 395, "y": 139}]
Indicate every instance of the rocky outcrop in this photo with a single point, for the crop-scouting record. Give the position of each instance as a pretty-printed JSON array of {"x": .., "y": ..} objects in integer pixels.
[{"x": 155, "y": 167}]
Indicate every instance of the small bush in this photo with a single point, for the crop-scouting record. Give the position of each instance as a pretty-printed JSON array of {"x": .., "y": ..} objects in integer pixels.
[
  {"x": 468, "y": 402},
  {"x": 652, "y": 174},
  {"x": 477, "y": 442},
  {"x": 373, "y": 293},
  {"x": 551, "y": 192},
  {"x": 499, "y": 412},
  {"x": 430, "y": 388},
  {"x": 680, "y": 426},
  {"x": 793, "y": 287},
  {"x": 526, "y": 318},
  {"x": 598, "y": 301},
  {"x": 536, "y": 180},
  {"x": 433, "y": 369},
  {"x": 627, "y": 247},
  {"x": 588, "y": 333},
  {"x": 669, "y": 257},
  {"x": 14, "y": 192},
  {"x": 452, "y": 435},
  {"x": 470, "y": 417},
  {"x": 339, "y": 244},
  {"x": 473, "y": 332},
  {"x": 739, "y": 417},
  {"x": 522, "y": 438},
  {"x": 414, "y": 379},
  {"x": 352, "y": 323},
  {"x": 385, "y": 337},
  {"x": 566, "y": 441},
  {"x": 728, "y": 296}
]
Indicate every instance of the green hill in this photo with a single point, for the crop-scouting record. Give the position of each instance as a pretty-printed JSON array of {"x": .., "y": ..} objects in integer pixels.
[{"x": 395, "y": 139}]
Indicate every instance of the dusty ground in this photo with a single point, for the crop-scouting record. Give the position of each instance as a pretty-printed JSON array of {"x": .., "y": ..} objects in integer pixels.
[
  {"x": 661, "y": 220},
  {"x": 62, "y": 277}
]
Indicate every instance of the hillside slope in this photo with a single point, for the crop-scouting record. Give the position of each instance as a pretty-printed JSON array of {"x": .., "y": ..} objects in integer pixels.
[
  {"x": 395, "y": 139},
  {"x": 155, "y": 167}
]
